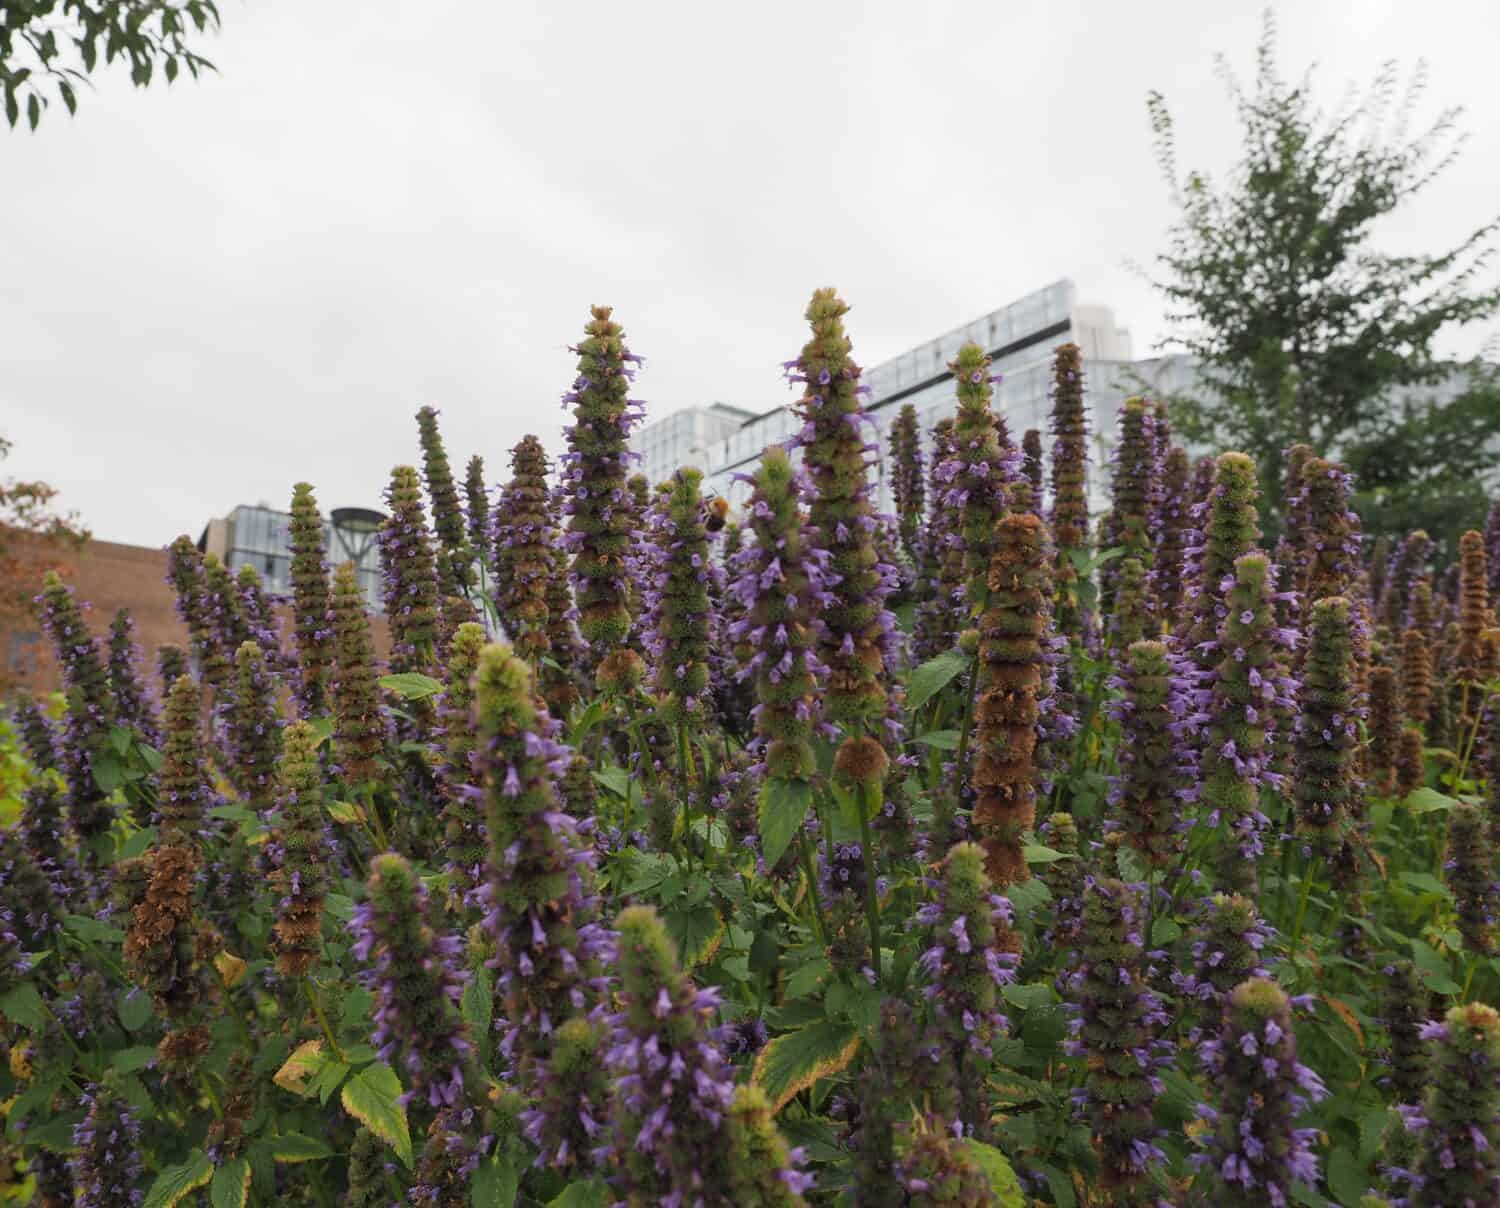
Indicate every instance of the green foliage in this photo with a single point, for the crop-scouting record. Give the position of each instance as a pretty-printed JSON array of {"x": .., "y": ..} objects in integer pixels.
[{"x": 1304, "y": 326}]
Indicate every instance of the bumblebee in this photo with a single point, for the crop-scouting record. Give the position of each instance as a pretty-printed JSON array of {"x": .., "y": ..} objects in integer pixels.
[{"x": 715, "y": 513}]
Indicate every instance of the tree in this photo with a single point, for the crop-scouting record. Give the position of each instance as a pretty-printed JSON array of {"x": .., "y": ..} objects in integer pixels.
[
  {"x": 43, "y": 41},
  {"x": 29, "y": 531},
  {"x": 1305, "y": 331}
]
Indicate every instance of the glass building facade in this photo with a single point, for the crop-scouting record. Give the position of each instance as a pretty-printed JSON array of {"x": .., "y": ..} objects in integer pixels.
[
  {"x": 1021, "y": 339},
  {"x": 261, "y": 537}
]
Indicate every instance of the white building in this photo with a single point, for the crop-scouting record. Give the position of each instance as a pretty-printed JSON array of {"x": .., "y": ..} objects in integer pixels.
[{"x": 1020, "y": 339}]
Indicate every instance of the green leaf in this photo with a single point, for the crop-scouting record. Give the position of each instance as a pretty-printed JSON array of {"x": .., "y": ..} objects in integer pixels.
[
  {"x": 134, "y": 1010},
  {"x": 1030, "y": 996},
  {"x": 93, "y": 930},
  {"x": 409, "y": 685},
  {"x": 1427, "y": 801},
  {"x": 1165, "y": 931},
  {"x": 698, "y": 931},
  {"x": 372, "y": 1097},
  {"x": 138, "y": 844},
  {"x": 323, "y": 728},
  {"x": 294, "y": 1147},
  {"x": 942, "y": 740},
  {"x": 807, "y": 978},
  {"x": 1424, "y": 882},
  {"x": 1346, "y": 1177},
  {"x": 1057, "y": 1181},
  {"x": 932, "y": 677},
  {"x": 494, "y": 1184},
  {"x": 997, "y": 1169},
  {"x": 23, "y": 1005},
  {"x": 176, "y": 1182},
  {"x": 1035, "y": 853},
  {"x": 591, "y": 1193},
  {"x": 616, "y": 780},
  {"x": 231, "y": 1185},
  {"x": 138, "y": 1057},
  {"x": 328, "y": 1079},
  {"x": 478, "y": 1009},
  {"x": 783, "y": 806},
  {"x": 109, "y": 772},
  {"x": 792, "y": 1063}
]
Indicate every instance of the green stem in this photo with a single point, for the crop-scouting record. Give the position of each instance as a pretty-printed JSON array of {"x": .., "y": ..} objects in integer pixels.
[
  {"x": 1307, "y": 883},
  {"x": 811, "y": 872},
  {"x": 312, "y": 997},
  {"x": 961, "y": 756},
  {"x": 685, "y": 769}
]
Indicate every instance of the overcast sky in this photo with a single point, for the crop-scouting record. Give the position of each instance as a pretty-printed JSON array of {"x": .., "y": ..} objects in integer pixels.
[{"x": 216, "y": 290}]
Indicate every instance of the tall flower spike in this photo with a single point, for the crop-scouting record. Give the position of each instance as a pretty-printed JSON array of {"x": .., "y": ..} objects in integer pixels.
[
  {"x": 1225, "y": 530},
  {"x": 182, "y": 786},
  {"x": 599, "y": 513},
  {"x": 106, "y": 1163},
  {"x": 907, "y": 484},
  {"x": 1032, "y": 472},
  {"x": 672, "y": 1086},
  {"x": 935, "y": 1171},
  {"x": 1254, "y": 1153},
  {"x": 254, "y": 730},
  {"x": 1156, "y": 767},
  {"x": 312, "y": 602},
  {"x": 940, "y": 583},
  {"x": 1326, "y": 786},
  {"x": 38, "y": 739},
  {"x": 417, "y": 991},
  {"x": 454, "y": 557},
  {"x": 1129, "y": 619},
  {"x": 1411, "y": 772},
  {"x": 1331, "y": 559},
  {"x": 161, "y": 945},
  {"x": 90, "y": 708},
  {"x": 1227, "y": 945},
  {"x": 523, "y": 550},
  {"x": 1135, "y": 488},
  {"x": 1247, "y": 687},
  {"x": 779, "y": 582},
  {"x": 1474, "y": 619},
  {"x": 1005, "y": 717},
  {"x": 971, "y": 957},
  {"x": 762, "y": 1171},
  {"x": 477, "y": 500},
  {"x": 1460, "y": 1143},
  {"x": 460, "y": 776},
  {"x": 542, "y": 910},
  {"x": 133, "y": 707},
  {"x": 359, "y": 731},
  {"x": 1385, "y": 730},
  {"x": 680, "y": 635},
  {"x": 856, "y": 624},
  {"x": 1408, "y": 566},
  {"x": 1471, "y": 878},
  {"x": 185, "y": 574},
  {"x": 171, "y": 665},
  {"x": 975, "y": 474},
  {"x": 300, "y": 843},
  {"x": 1070, "y": 505},
  {"x": 226, "y": 615},
  {"x": 1172, "y": 536},
  {"x": 1403, "y": 1011},
  {"x": 1416, "y": 677},
  {"x": 560, "y": 673},
  {"x": 410, "y": 574},
  {"x": 1118, "y": 1015}
]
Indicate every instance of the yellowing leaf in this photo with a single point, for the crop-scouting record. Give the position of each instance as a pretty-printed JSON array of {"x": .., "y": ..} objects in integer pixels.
[
  {"x": 231, "y": 1185},
  {"x": 792, "y": 1063},
  {"x": 373, "y": 1097},
  {"x": 1343, "y": 1012},
  {"x": 346, "y": 813},
  {"x": 176, "y": 1182},
  {"x": 231, "y": 968},
  {"x": 306, "y": 1060}
]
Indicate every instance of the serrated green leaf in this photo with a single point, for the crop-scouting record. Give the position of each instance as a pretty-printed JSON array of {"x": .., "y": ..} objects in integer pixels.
[
  {"x": 92, "y": 930},
  {"x": 23, "y": 1005},
  {"x": 138, "y": 844},
  {"x": 478, "y": 1009},
  {"x": 807, "y": 978},
  {"x": 783, "y": 807},
  {"x": 410, "y": 685},
  {"x": 698, "y": 931},
  {"x": 933, "y": 676},
  {"x": 616, "y": 780},
  {"x": 998, "y": 1170},
  {"x": 1427, "y": 801},
  {"x": 792, "y": 1063},
  {"x": 1030, "y": 996},
  {"x": 495, "y": 1183},
  {"x": 1346, "y": 1176},
  {"x": 137, "y": 1057},
  {"x": 329, "y": 1079},
  {"x": 294, "y": 1147},
  {"x": 590, "y": 1193},
  {"x": 231, "y": 1185},
  {"x": 176, "y": 1182},
  {"x": 134, "y": 1009},
  {"x": 1036, "y": 853},
  {"x": 372, "y": 1097}
]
